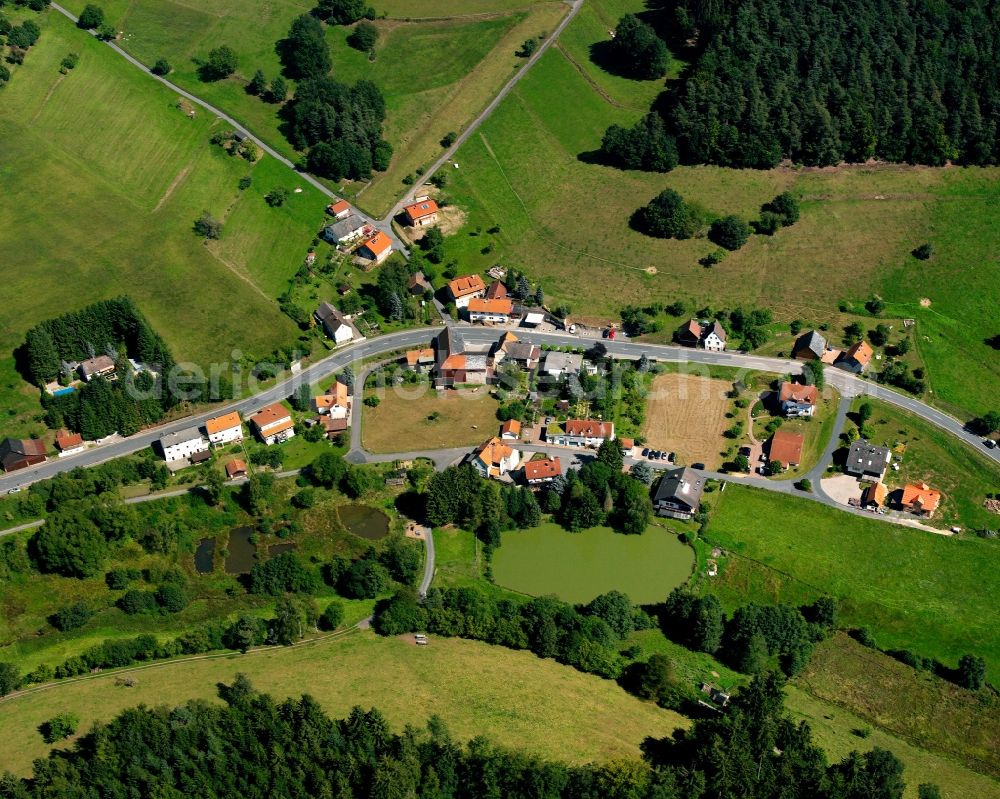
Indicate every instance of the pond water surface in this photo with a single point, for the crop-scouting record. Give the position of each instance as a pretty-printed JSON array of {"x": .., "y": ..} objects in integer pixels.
[
  {"x": 204, "y": 556},
  {"x": 241, "y": 551},
  {"x": 363, "y": 521}
]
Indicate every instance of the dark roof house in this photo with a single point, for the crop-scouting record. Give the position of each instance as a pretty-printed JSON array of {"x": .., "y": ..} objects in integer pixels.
[
  {"x": 809, "y": 346},
  {"x": 679, "y": 493},
  {"x": 20, "y": 453},
  {"x": 867, "y": 460}
]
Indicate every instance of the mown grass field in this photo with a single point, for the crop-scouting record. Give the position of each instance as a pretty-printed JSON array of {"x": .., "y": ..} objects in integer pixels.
[
  {"x": 963, "y": 476},
  {"x": 104, "y": 178},
  {"x": 402, "y": 420},
  {"x": 566, "y": 221},
  {"x": 915, "y": 590},
  {"x": 576, "y": 567},
  {"x": 514, "y": 698}
]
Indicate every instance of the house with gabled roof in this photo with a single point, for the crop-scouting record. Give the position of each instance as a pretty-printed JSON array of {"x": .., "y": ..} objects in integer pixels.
[
  {"x": 557, "y": 364},
  {"x": 458, "y": 362},
  {"x": 797, "y": 400},
  {"x": 678, "y": 494},
  {"x": 273, "y": 424},
  {"x": 235, "y": 469},
  {"x": 335, "y": 403},
  {"x": 496, "y": 291},
  {"x": 874, "y": 496},
  {"x": 341, "y": 209},
  {"x": 541, "y": 471},
  {"x": 421, "y": 360},
  {"x": 520, "y": 352},
  {"x": 418, "y": 284},
  {"x": 377, "y": 248},
  {"x": 855, "y": 358},
  {"x": 495, "y": 459},
  {"x": 224, "y": 429},
  {"x": 21, "y": 453},
  {"x": 345, "y": 230},
  {"x": 785, "y": 448},
  {"x": 69, "y": 443},
  {"x": 183, "y": 444},
  {"x": 867, "y": 460},
  {"x": 707, "y": 335},
  {"x": 920, "y": 499},
  {"x": 810, "y": 346},
  {"x": 335, "y": 324},
  {"x": 422, "y": 213},
  {"x": 490, "y": 311},
  {"x": 98, "y": 366},
  {"x": 510, "y": 430},
  {"x": 466, "y": 288},
  {"x": 581, "y": 433}
]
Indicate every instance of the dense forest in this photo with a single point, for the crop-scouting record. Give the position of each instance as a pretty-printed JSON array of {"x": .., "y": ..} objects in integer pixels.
[
  {"x": 255, "y": 747},
  {"x": 830, "y": 80},
  {"x": 100, "y": 407}
]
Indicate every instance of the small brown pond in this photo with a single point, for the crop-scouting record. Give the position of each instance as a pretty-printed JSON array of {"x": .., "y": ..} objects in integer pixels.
[
  {"x": 364, "y": 521},
  {"x": 277, "y": 549},
  {"x": 242, "y": 551}
]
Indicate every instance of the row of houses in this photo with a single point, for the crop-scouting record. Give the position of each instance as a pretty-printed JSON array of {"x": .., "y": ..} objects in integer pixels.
[
  {"x": 812, "y": 346},
  {"x": 868, "y": 461},
  {"x": 23, "y": 453},
  {"x": 350, "y": 228},
  {"x": 709, "y": 335}
]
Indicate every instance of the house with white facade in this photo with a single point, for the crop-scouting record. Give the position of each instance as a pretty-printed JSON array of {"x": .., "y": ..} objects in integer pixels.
[
  {"x": 496, "y": 312},
  {"x": 581, "y": 433},
  {"x": 100, "y": 366},
  {"x": 183, "y": 444},
  {"x": 557, "y": 364},
  {"x": 225, "y": 429},
  {"x": 797, "y": 400},
  {"x": 69, "y": 443},
  {"x": 495, "y": 459},
  {"x": 273, "y": 424},
  {"x": 713, "y": 337},
  {"x": 335, "y": 324},
  {"x": 335, "y": 403},
  {"x": 463, "y": 290}
]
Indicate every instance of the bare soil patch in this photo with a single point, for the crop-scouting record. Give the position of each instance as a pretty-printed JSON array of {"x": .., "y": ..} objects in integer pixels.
[{"x": 686, "y": 414}]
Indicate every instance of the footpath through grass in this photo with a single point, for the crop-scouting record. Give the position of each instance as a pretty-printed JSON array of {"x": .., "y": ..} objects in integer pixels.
[
  {"x": 576, "y": 567},
  {"x": 915, "y": 590},
  {"x": 514, "y": 698}
]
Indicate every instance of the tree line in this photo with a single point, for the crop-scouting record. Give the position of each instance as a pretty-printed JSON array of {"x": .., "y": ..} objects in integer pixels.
[
  {"x": 258, "y": 746},
  {"x": 824, "y": 82}
]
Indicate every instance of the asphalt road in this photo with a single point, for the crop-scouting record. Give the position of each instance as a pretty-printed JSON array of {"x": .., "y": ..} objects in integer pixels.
[{"x": 849, "y": 385}]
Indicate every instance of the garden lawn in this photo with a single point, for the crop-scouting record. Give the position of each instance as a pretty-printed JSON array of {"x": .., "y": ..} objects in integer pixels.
[
  {"x": 528, "y": 170},
  {"x": 577, "y": 567},
  {"x": 514, "y": 698},
  {"x": 915, "y": 590},
  {"x": 963, "y": 476},
  {"x": 402, "y": 421},
  {"x": 127, "y": 173}
]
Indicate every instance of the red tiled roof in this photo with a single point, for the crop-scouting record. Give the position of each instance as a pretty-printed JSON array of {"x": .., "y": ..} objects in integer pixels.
[
  {"x": 271, "y": 415},
  {"x": 496, "y": 291},
  {"x": 421, "y": 209},
  {"x": 793, "y": 392},
  {"x": 477, "y": 305},
  {"x": 589, "y": 428},
  {"x": 861, "y": 352},
  {"x": 67, "y": 440},
  {"x": 921, "y": 495},
  {"x": 492, "y": 452},
  {"x": 540, "y": 470},
  {"x": 224, "y": 422},
  {"x": 378, "y": 243},
  {"x": 339, "y": 207},
  {"x": 511, "y": 426},
  {"x": 786, "y": 448},
  {"x": 465, "y": 285},
  {"x": 235, "y": 468}
]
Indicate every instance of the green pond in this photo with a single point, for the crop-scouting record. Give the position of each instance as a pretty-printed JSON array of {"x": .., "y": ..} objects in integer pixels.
[
  {"x": 363, "y": 521},
  {"x": 576, "y": 567}
]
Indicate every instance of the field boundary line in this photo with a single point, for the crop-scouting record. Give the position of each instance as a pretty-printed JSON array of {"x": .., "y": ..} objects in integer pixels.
[{"x": 45, "y": 102}]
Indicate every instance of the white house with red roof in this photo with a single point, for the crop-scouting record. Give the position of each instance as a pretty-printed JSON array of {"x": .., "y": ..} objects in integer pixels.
[
  {"x": 581, "y": 433},
  {"x": 466, "y": 288},
  {"x": 273, "y": 424},
  {"x": 422, "y": 213},
  {"x": 377, "y": 248}
]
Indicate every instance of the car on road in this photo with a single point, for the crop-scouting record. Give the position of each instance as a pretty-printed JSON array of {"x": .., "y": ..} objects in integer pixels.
[
  {"x": 15, "y": 490},
  {"x": 989, "y": 443},
  {"x": 572, "y": 329}
]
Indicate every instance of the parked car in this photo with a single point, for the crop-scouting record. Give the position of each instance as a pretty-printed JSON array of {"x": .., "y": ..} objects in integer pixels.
[
  {"x": 697, "y": 465},
  {"x": 645, "y": 451},
  {"x": 572, "y": 328},
  {"x": 672, "y": 457}
]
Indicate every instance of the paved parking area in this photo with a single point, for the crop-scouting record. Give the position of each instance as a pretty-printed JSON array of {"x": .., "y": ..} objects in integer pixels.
[{"x": 841, "y": 488}]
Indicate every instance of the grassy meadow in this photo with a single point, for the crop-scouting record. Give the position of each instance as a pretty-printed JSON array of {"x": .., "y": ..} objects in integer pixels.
[
  {"x": 566, "y": 221},
  {"x": 576, "y": 567},
  {"x": 514, "y": 698},
  {"x": 405, "y": 421},
  {"x": 930, "y": 455},
  {"x": 105, "y": 176},
  {"x": 914, "y": 590}
]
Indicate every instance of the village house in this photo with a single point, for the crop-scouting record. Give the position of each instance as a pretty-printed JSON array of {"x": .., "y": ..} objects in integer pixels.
[
  {"x": 347, "y": 229},
  {"x": 495, "y": 459},
  {"x": 678, "y": 494},
  {"x": 510, "y": 430},
  {"x": 422, "y": 213},
  {"x": 273, "y": 424},
  {"x": 224, "y": 429},
  {"x": 236, "y": 469},
  {"x": 581, "y": 433},
  {"x": 101, "y": 366},
  {"x": 183, "y": 445},
  {"x": 797, "y": 400},
  {"x": 496, "y": 291},
  {"x": 628, "y": 446},
  {"x": 463, "y": 290},
  {"x": 377, "y": 248},
  {"x": 457, "y": 362},
  {"x": 331, "y": 427},
  {"x": 496, "y": 312},
  {"x": 856, "y": 358},
  {"x": 542, "y": 471},
  {"x": 335, "y": 324},
  {"x": 417, "y": 285},
  {"x": 874, "y": 496},
  {"x": 920, "y": 499},
  {"x": 339, "y": 210},
  {"x": 557, "y": 364},
  {"x": 522, "y": 353},
  {"x": 335, "y": 403},
  {"x": 867, "y": 460},
  {"x": 20, "y": 453},
  {"x": 69, "y": 443},
  {"x": 421, "y": 361},
  {"x": 786, "y": 449},
  {"x": 708, "y": 335},
  {"x": 811, "y": 346}
]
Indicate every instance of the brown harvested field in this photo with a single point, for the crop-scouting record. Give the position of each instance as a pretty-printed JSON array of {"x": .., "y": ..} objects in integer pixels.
[
  {"x": 402, "y": 421},
  {"x": 686, "y": 414}
]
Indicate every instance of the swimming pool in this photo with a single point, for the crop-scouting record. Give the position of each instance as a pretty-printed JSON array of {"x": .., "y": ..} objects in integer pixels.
[{"x": 64, "y": 391}]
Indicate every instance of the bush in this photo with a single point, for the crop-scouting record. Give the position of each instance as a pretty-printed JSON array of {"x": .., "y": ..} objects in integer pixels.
[
  {"x": 221, "y": 63},
  {"x": 69, "y": 62},
  {"x": 134, "y": 602},
  {"x": 332, "y": 616},
  {"x": 59, "y": 727},
  {"x": 118, "y": 579},
  {"x": 10, "y": 678},
  {"x": 276, "y": 197},
  {"x": 172, "y": 598},
  {"x": 72, "y": 616},
  {"x": 668, "y": 216},
  {"x": 161, "y": 67},
  {"x": 208, "y": 226},
  {"x": 91, "y": 18},
  {"x": 364, "y": 37},
  {"x": 730, "y": 232},
  {"x": 923, "y": 252}
]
